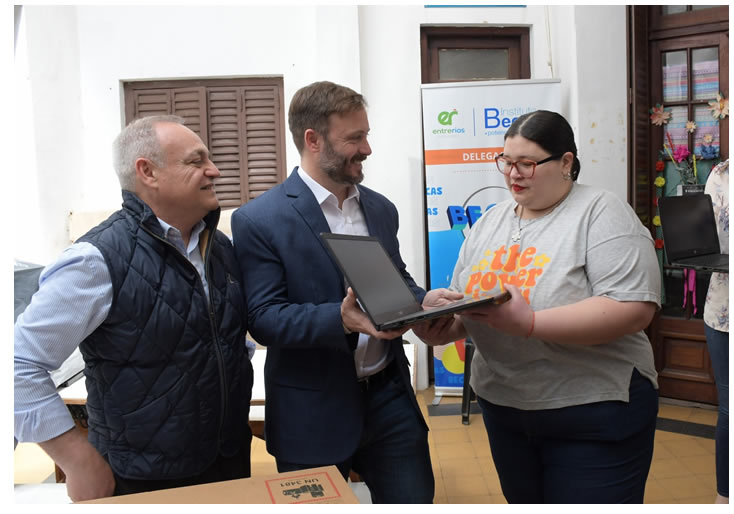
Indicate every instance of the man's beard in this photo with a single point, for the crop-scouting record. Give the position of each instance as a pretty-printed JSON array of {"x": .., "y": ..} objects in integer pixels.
[{"x": 335, "y": 165}]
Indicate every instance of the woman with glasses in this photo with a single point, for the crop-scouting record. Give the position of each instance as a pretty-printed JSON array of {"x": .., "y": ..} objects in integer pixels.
[{"x": 563, "y": 371}]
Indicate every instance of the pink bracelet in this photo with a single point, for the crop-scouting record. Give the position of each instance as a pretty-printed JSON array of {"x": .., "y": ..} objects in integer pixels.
[{"x": 532, "y": 326}]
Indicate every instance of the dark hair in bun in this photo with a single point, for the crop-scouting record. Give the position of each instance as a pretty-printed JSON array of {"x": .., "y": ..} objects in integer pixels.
[{"x": 550, "y": 131}]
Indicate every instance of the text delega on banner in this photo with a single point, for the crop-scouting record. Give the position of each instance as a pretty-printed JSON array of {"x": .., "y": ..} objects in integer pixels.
[{"x": 461, "y": 155}]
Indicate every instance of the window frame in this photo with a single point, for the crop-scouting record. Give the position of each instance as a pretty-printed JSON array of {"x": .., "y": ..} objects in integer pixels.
[
  {"x": 687, "y": 44},
  {"x": 514, "y": 39},
  {"x": 649, "y": 29},
  {"x": 688, "y": 22}
]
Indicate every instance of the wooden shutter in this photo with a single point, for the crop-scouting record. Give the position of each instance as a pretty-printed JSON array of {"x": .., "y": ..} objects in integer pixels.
[
  {"x": 262, "y": 137},
  {"x": 190, "y": 104},
  {"x": 240, "y": 120},
  {"x": 245, "y": 134},
  {"x": 150, "y": 102},
  {"x": 640, "y": 189},
  {"x": 226, "y": 132}
]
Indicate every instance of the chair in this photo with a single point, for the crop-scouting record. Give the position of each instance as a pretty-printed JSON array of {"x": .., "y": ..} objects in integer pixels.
[{"x": 467, "y": 394}]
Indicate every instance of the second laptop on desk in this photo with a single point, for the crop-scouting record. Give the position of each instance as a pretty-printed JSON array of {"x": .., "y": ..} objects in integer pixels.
[
  {"x": 380, "y": 287},
  {"x": 689, "y": 233}
]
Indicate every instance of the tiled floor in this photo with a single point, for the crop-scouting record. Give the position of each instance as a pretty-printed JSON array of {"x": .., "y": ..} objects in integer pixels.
[{"x": 682, "y": 469}]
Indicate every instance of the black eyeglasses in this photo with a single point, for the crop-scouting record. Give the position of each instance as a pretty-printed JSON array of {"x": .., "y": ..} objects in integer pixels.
[{"x": 525, "y": 167}]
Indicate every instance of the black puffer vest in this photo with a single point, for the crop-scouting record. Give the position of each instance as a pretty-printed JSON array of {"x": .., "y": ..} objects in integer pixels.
[{"x": 168, "y": 376}]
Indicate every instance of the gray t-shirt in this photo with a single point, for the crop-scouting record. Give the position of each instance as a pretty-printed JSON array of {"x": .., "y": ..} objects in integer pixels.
[{"x": 592, "y": 244}]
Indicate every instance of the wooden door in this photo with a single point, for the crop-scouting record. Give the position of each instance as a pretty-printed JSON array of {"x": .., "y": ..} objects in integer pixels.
[{"x": 678, "y": 59}]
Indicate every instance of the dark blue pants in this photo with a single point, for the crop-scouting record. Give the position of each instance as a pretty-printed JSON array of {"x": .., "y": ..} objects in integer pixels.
[
  {"x": 593, "y": 453},
  {"x": 393, "y": 457},
  {"x": 718, "y": 344}
]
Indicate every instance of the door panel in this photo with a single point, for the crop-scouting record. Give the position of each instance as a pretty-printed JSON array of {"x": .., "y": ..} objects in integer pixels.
[
  {"x": 682, "y": 360},
  {"x": 679, "y": 60}
]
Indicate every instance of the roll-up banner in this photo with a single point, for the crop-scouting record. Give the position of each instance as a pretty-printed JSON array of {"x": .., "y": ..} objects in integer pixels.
[{"x": 464, "y": 125}]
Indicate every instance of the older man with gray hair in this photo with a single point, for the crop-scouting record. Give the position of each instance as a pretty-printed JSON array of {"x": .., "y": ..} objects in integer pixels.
[{"x": 152, "y": 298}]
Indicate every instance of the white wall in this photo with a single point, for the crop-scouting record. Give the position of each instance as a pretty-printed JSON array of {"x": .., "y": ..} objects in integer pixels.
[
  {"x": 305, "y": 43},
  {"x": 601, "y": 121},
  {"x": 80, "y": 55},
  {"x": 71, "y": 61},
  {"x": 25, "y": 166},
  {"x": 51, "y": 157}
]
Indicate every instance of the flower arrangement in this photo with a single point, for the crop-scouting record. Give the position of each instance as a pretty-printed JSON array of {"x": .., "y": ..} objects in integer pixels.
[
  {"x": 680, "y": 153},
  {"x": 719, "y": 107},
  {"x": 682, "y": 158},
  {"x": 659, "y": 116},
  {"x": 708, "y": 151},
  {"x": 683, "y": 161}
]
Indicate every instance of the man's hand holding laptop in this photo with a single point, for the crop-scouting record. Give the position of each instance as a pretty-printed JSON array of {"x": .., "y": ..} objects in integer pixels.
[{"x": 356, "y": 320}]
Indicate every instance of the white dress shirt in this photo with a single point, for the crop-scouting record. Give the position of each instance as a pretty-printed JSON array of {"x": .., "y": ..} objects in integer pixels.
[{"x": 371, "y": 354}]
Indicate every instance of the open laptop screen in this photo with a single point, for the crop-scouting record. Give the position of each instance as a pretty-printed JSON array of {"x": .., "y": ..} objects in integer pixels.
[
  {"x": 689, "y": 228},
  {"x": 380, "y": 287}
]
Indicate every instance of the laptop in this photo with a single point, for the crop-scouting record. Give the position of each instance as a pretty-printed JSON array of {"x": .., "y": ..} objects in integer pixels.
[
  {"x": 689, "y": 232},
  {"x": 380, "y": 287}
]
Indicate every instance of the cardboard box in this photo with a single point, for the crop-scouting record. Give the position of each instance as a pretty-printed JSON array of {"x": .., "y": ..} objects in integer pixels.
[{"x": 317, "y": 485}]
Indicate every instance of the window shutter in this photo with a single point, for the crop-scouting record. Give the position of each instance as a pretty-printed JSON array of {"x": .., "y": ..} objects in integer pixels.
[
  {"x": 226, "y": 131},
  {"x": 240, "y": 120},
  {"x": 190, "y": 104},
  {"x": 262, "y": 139},
  {"x": 151, "y": 102},
  {"x": 641, "y": 187},
  {"x": 244, "y": 140}
]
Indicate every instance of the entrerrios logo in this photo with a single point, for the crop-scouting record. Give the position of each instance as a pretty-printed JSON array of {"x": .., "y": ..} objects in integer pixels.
[{"x": 447, "y": 118}]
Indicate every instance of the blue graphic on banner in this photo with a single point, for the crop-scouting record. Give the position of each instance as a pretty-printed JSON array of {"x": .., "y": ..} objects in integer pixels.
[
  {"x": 443, "y": 250},
  {"x": 444, "y": 377}
]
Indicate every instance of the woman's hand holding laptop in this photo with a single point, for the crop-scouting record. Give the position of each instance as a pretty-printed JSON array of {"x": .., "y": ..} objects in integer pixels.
[
  {"x": 438, "y": 331},
  {"x": 439, "y": 297}
]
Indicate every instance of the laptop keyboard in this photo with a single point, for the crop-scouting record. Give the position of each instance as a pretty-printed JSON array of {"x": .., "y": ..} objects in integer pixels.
[{"x": 714, "y": 260}]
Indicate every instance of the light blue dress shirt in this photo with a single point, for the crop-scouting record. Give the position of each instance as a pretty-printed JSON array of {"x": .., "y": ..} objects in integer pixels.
[{"x": 74, "y": 298}]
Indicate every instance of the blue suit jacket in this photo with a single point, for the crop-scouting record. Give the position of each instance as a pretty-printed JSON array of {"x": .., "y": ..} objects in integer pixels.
[{"x": 313, "y": 408}]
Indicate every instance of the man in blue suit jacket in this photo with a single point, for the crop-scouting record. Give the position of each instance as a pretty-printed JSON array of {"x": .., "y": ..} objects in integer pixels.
[{"x": 338, "y": 391}]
